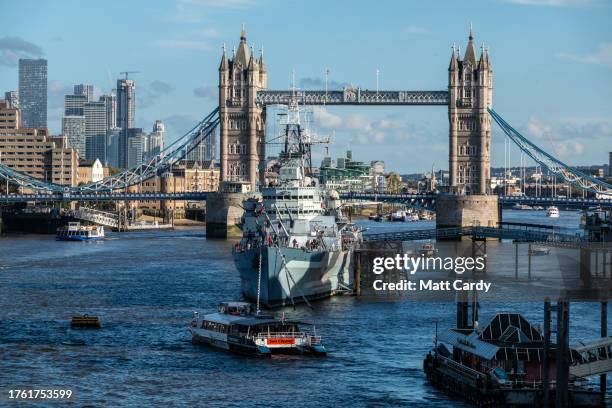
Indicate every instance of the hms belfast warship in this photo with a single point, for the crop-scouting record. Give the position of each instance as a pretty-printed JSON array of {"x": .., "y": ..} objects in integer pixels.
[{"x": 296, "y": 244}]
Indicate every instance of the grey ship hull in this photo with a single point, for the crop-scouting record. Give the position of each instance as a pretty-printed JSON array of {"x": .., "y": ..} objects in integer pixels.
[{"x": 310, "y": 275}]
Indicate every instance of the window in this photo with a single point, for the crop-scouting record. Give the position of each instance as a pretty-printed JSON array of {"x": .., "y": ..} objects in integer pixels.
[{"x": 467, "y": 93}]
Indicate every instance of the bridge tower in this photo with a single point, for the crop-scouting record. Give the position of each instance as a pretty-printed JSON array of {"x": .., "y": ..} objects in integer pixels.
[
  {"x": 470, "y": 87},
  {"x": 242, "y": 121}
]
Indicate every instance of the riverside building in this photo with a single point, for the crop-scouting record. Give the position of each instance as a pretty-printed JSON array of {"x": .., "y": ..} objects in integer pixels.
[{"x": 34, "y": 152}]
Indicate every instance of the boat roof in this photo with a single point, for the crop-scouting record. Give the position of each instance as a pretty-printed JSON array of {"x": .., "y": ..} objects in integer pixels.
[
  {"x": 248, "y": 320},
  {"x": 470, "y": 343},
  {"x": 510, "y": 328}
]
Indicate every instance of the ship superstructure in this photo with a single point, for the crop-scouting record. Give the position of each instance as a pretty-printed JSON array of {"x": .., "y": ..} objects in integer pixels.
[{"x": 296, "y": 244}]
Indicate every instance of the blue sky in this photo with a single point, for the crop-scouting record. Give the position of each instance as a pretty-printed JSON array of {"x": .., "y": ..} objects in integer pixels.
[{"x": 552, "y": 62}]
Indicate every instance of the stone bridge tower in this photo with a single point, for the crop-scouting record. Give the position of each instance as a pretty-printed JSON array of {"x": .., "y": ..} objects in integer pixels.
[
  {"x": 470, "y": 87},
  {"x": 242, "y": 121}
]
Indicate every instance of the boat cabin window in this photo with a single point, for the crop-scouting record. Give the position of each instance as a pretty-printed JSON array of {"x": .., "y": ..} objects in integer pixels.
[{"x": 214, "y": 326}]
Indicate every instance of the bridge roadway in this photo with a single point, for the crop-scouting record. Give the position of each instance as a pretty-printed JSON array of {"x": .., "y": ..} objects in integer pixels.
[
  {"x": 583, "y": 203},
  {"x": 118, "y": 196},
  {"x": 431, "y": 197},
  {"x": 514, "y": 231}
]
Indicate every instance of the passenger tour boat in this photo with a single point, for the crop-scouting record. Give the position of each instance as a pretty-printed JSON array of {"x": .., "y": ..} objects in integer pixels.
[
  {"x": 237, "y": 328},
  {"x": 74, "y": 231}
]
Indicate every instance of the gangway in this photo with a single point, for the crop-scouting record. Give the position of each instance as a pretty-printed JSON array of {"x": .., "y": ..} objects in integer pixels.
[
  {"x": 592, "y": 358},
  {"x": 107, "y": 219}
]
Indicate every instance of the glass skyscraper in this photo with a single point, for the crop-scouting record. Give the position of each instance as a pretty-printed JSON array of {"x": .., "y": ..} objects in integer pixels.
[
  {"x": 33, "y": 92},
  {"x": 155, "y": 142},
  {"x": 126, "y": 109},
  {"x": 95, "y": 130},
  {"x": 111, "y": 110},
  {"x": 73, "y": 128},
  {"x": 84, "y": 89}
]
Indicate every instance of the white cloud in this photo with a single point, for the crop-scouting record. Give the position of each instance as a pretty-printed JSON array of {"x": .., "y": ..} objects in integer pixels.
[
  {"x": 363, "y": 129},
  {"x": 603, "y": 56},
  {"x": 325, "y": 119},
  {"x": 557, "y": 3},
  {"x": 567, "y": 138}
]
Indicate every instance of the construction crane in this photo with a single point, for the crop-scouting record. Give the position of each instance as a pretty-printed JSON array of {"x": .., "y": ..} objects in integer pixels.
[{"x": 126, "y": 73}]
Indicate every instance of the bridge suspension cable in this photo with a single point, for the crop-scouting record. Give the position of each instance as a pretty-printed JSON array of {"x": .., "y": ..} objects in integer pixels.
[
  {"x": 173, "y": 153},
  {"x": 570, "y": 174}
]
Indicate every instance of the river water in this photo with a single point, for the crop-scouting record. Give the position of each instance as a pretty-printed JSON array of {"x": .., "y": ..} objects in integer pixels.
[{"x": 145, "y": 286}]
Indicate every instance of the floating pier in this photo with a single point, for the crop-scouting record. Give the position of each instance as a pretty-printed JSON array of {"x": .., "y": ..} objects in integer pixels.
[{"x": 86, "y": 321}]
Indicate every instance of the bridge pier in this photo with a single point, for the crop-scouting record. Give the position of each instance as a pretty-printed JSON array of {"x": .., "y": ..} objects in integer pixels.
[
  {"x": 467, "y": 210},
  {"x": 604, "y": 333},
  {"x": 223, "y": 213},
  {"x": 562, "y": 361}
]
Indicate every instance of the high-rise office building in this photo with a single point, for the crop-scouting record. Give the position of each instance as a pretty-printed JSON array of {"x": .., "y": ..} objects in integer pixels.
[
  {"x": 126, "y": 99},
  {"x": 12, "y": 99},
  {"x": 155, "y": 143},
  {"x": 610, "y": 165},
  {"x": 126, "y": 109},
  {"x": 113, "y": 142},
  {"x": 33, "y": 92},
  {"x": 95, "y": 130},
  {"x": 206, "y": 150},
  {"x": 136, "y": 145},
  {"x": 84, "y": 89},
  {"x": 73, "y": 128},
  {"x": 111, "y": 109},
  {"x": 73, "y": 105}
]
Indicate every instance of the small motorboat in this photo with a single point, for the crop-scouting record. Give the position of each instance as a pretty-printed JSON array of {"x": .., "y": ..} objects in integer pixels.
[
  {"x": 237, "y": 328},
  {"x": 552, "y": 212},
  {"x": 539, "y": 251},
  {"x": 74, "y": 231},
  {"x": 428, "y": 249},
  {"x": 398, "y": 216}
]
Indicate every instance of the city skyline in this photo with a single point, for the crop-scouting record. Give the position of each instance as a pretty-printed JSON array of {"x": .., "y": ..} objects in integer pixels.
[{"x": 552, "y": 84}]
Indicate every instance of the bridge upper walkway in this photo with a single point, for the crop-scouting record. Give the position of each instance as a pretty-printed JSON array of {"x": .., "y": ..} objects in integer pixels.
[{"x": 353, "y": 96}]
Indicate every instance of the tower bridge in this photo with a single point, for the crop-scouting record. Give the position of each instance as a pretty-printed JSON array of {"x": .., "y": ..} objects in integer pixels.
[
  {"x": 241, "y": 116},
  {"x": 244, "y": 95}
]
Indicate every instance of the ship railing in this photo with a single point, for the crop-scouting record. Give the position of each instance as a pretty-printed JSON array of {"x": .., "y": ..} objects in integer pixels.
[
  {"x": 280, "y": 335},
  {"x": 301, "y": 335},
  {"x": 577, "y": 384},
  {"x": 315, "y": 339}
]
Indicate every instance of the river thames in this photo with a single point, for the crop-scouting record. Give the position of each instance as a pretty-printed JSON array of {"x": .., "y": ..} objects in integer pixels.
[{"x": 146, "y": 285}]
